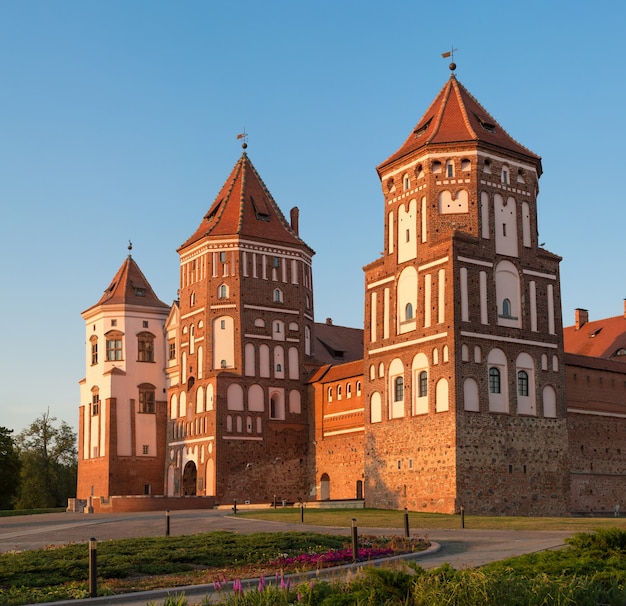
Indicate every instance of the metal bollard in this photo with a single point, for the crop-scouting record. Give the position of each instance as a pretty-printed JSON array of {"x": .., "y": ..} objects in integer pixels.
[
  {"x": 355, "y": 541},
  {"x": 167, "y": 523},
  {"x": 462, "y": 516},
  {"x": 407, "y": 532},
  {"x": 93, "y": 568},
  {"x": 235, "y": 507},
  {"x": 301, "y": 513}
]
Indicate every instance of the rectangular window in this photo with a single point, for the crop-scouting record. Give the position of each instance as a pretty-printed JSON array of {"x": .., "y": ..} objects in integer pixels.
[
  {"x": 223, "y": 257},
  {"x": 145, "y": 347},
  {"x": 95, "y": 404},
  {"x": 94, "y": 353},
  {"x": 146, "y": 401},
  {"x": 145, "y": 449},
  {"x": 276, "y": 262},
  {"x": 113, "y": 322},
  {"x": 398, "y": 395},
  {"x": 145, "y": 323},
  {"x": 114, "y": 350},
  {"x": 147, "y": 489},
  {"x": 172, "y": 350}
]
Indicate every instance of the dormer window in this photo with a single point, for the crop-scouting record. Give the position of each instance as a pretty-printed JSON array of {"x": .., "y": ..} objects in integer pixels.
[
  {"x": 422, "y": 129},
  {"x": 488, "y": 126},
  {"x": 261, "y": 210}
]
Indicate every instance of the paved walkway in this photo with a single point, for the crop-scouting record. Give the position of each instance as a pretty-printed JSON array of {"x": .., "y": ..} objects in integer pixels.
[{"x": 461, "y": 548}]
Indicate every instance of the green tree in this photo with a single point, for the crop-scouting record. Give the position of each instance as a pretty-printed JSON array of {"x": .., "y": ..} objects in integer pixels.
[
  {"x": 48, "y": 463},
  {"x": 9, "y": 468}
]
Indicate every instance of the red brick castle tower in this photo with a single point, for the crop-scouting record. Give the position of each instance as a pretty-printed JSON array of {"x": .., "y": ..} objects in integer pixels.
[
  {"x": 464, "y": 381},
  {"x": 237, "y": 344}
]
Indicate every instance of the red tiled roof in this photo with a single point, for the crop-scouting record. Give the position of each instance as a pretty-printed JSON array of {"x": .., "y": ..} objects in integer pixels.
[
  {"x": 455, "y": 116},
  {"x": 245, "y": 207},
  {"x": 614, "y": 365},
  {"x": 598, "y": 339},
  {"x": 329, "y": 373},
  {"x": 337, "y": 344},
  {"x": 129, "y": 286}
]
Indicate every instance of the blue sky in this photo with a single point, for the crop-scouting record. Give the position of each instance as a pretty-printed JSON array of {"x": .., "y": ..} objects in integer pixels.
[{"x": 118, "y": 121}]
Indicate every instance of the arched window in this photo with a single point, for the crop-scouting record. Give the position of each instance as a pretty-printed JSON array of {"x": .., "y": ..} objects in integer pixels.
[
  {"x": 398, "y": 389},
  {"x": 506, "y": 308},
  {"x": 522, "y": 383},
  {"x": 278, "y": 295},
  {"x": 222, "y": 292},
  {"x": 406, "y": 182},
  {"x": 94, "y": 349},
  {"x": 423, "y": 384},
  {"x": 330, "y": 394},
  {"x": 339, "y": 392},
  {"x": 494, "y": 380},
  {"x": 408, "y": 312},
  {"x": 95, "y": 401},
  {"x": 358, "y": 388}
]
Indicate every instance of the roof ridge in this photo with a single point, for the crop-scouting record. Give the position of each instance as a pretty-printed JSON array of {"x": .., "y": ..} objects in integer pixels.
[
  {"x": 442, "y": 107},
  {"x": 457, "y": 89},
  {"x": 475, "y": 100},
  {"x": 279, "y": 212}
]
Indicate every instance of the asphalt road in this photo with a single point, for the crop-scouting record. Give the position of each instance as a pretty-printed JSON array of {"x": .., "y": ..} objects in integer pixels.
[{"x": 462, "y": 548}]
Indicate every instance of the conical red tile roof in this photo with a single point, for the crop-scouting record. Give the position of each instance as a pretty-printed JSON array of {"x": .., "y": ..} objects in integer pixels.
[
  {"x": 245, "y": 207},
  {"x": 130, "y": 287},
  {"x": 455, "y": 116}
]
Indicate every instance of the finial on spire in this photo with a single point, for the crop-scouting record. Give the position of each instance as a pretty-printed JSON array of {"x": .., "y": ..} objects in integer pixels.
[
  {"x": 130, "y": 247},
  {"x": 450, "y": 54},
  {"x": 244, "y": 136}
]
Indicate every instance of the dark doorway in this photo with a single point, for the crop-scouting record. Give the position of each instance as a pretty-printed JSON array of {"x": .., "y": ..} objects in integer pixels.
[
  {"x": 359, "y": 489},
  {"x": 189, "y": 479}
]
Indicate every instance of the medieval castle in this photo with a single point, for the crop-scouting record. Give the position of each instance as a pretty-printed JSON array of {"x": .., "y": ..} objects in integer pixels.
[{"x": 462, "y": 388}]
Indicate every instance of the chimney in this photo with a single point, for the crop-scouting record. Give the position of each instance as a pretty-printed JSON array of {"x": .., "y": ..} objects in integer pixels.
[
  {"x": 294, "y": 216},
  {"x": 582, "y": 317},
  {"x": 329, "y": 321}
]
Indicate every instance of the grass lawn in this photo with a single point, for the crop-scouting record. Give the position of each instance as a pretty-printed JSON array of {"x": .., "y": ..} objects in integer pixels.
[{"x": 379, "y": 518}]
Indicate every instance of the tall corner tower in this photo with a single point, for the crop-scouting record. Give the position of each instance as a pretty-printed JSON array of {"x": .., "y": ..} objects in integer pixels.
[
  {"x": 238, "y": 342},
  {"x": 463, "y": 332},
  {"x": 122, "y": 421}
]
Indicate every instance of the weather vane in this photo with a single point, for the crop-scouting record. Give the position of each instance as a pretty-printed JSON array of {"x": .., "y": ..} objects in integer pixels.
[
  {"x": 130, "y": 246},
  {"x": 450, "y": 54},
  {"x": 244, "y": 136}
]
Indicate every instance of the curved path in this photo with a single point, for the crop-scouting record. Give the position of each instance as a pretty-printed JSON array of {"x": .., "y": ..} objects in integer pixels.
[{"x": 461, "y": 548}]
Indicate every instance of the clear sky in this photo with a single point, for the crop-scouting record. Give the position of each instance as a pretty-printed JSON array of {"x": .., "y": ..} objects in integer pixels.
[{"x": 118, "y": 121}]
